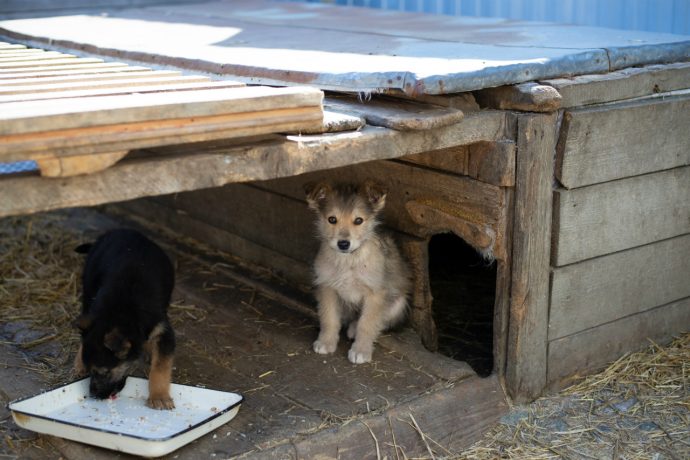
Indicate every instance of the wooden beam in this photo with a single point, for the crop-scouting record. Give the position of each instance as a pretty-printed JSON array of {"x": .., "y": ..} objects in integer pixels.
[
  {"x": 529, "y": 304},
  {"x": 604, "y": 289},
  {"x": 190, "y": 167},
  {"x": 613, "y": 216},
  {"x": 525, "y": 97},
  {"x": 492, "y": 162},
  {"x": 622, "y": 84},
  {"x": 78, "y": 164},
  {"x": 612, "y": 142}
]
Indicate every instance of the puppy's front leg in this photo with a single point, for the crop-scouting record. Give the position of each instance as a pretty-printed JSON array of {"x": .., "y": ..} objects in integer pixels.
[
  {"x": 161, "y": 371},
  {"x": 369, "y": 327},
  {"x": 329, "y": 319}
]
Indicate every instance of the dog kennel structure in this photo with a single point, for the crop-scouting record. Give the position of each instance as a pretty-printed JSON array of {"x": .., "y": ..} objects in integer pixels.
[{"x": 562, "y": 153}]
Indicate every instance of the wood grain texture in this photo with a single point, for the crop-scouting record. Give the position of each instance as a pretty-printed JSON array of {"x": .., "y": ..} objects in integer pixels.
[
  {"x": 577, "y": 355},
  {"x": 529, "y": 303},
  {"x": 40, "y": 70},
  {"x": 191, "y": 167},
  {"x": 611, "y": 142},
  {"x": 397, "y": 114},
  {"x": 50, "y": 115},
  {"x": 77, "y": 72},
  {"x": 525, "y": 97},
  {"x": 492, "y": 162},
  {"x": 457, "y": 416},
  {"x": 604, "y": 289},
  {"x": 605, "y": 218},
  {"x": 78, "y": 164},
  {"x": 452, "y": 159},
  {"x": 621, "y": 84}
]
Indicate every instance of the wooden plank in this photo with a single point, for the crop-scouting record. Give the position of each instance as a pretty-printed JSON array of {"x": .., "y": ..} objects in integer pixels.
[
  {"x": 526, "y": 97},
  {"x": 604, "y": 218},
  {"x": 77, "y": 71},
  {"x": 601, "y": 290},
  {"x": 11, "y": 46},
  {"x": 454, "y": 417},
  {"x": 529, "y": 304},
  {"x": 611, "y": 142},
  {"x": 334, "y": 122},
  {"x": 73, "y": 60},
  {"x": 183, "y": 168},
  {"x": 78, "y": 164},
  {"x": 492, "y": 162},
  {"x": 502, "y": 293},
  {"x": 81, "y": 77},
  {"x": 396, "y": 114},
  {"x": 114, "y": 89},
  {"x": 56, "y": 68},
  {"x": 128, "y": 136},
  {"x": 50, "y": 115},
  {"x": 453, "y": 159},
  {"x": 577, "y": 355},
  {"x": 18, "y": 90},
  {"x": 5, "y": 53},
  {"x": 45, "y": 55},
  {"x": 621, "y": 84}
]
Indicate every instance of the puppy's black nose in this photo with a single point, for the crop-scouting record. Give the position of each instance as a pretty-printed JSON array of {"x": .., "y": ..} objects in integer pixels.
[{"x": 343, "y": 245}]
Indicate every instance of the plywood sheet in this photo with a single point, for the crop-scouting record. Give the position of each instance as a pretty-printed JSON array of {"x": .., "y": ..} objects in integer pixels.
[{"x": 354, "y": 49}]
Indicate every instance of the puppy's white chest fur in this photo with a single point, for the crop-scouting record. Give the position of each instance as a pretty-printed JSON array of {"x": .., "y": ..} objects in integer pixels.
[{"x": 353, "y": 275}]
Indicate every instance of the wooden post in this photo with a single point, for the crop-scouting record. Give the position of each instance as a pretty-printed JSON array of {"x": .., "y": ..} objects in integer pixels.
[{"x": 529, "y": 304}]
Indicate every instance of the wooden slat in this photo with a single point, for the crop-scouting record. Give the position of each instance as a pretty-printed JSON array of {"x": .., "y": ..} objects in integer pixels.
[
  {"x": 128, "y": 136},
  {"x": 78, "y": 164},
  {"x": 611, "y": 142},
  {"x": 70, "y": 66},
  {"x": 580, "y": 354},
  {"x": 81, "y": 77},
  {"x": 11, "y": 46},
  {"x": 23, "y": 118},
  {"x": 49, "y": 62},
  {"x": 9, "y": 92},
  {"x": 622, "y": 84},
  {"x": 453, "y": 159},
  {"x": 604, "y": 289},
  {"x": 122, "y": 90},
  {"x": 529, "y": 301},
  {"x": 604, "y": 218},
  {"x": 78, "y": 71},
  {"x": 20, "y": 52},
  {"x": 29, "y": 58},
  {"x": 492, "y": 162}
]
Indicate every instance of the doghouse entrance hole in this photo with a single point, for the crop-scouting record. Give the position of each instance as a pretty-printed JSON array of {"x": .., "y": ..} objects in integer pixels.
[{"x": 463, "y": 285}]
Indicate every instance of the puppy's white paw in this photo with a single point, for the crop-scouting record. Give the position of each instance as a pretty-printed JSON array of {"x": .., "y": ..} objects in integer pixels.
[
  {"x": 357, "y": 355},
  {"x": 324, "y": 347}
]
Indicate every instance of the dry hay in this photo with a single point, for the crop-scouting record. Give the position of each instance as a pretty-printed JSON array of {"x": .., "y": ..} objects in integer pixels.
[
  {"x": 638, "y": 408},
  {"x": 39, "y": 291}
]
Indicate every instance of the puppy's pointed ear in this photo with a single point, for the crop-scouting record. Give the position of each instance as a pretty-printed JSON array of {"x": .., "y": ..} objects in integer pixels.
[
  {"x": 317, "y": 192},
  {"x": 117, "y": 343},
  {"x": 375, "y": 193},
  {"x": 83, "y": 322}
]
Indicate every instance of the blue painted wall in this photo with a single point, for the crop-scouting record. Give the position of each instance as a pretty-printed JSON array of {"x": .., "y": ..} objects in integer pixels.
[{"x": 670, "y": 16}]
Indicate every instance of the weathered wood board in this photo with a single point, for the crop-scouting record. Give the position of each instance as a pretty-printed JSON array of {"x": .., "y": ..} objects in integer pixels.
[
  {"x": 621, "y": 84},
  {"x": 192, "y": 167},
  {"x": 604, "y": 289},
  {"x": 604, "y": 218},
  {"x": 357, "y": 50},
  {"x": 611, "y": 142},
  {"x": 578, "y": 355},
  {"x": 529, "y": 300},
  {"x": 525, "y": 97}
]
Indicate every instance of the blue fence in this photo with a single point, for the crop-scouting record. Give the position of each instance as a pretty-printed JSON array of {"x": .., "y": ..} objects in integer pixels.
[{"x": 670, "y": 16}]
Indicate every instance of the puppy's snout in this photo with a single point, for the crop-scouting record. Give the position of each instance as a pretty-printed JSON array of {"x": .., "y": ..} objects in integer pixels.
[{"x": 343, "y": 245}]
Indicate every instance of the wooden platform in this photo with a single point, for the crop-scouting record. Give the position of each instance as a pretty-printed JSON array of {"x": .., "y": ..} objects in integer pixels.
[{"x": 81, "y": 115}]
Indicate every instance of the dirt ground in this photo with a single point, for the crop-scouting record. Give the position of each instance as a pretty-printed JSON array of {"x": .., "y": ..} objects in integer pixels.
[{"x": 638, "y": 408}]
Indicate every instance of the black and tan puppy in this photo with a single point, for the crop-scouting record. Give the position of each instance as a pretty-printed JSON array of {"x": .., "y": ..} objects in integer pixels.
[{"x": 127, "y": 282}]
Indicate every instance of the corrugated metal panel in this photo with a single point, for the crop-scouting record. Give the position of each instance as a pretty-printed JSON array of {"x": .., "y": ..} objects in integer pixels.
[{"x": 670, "y": 16}]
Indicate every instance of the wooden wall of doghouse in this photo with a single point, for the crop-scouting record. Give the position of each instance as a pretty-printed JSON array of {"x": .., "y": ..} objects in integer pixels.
[{"x": 582, "y": 195}]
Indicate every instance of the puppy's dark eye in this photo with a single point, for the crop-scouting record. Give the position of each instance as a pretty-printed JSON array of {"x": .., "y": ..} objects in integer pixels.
[
  {"x": 359, "y": 221},
  {"x": 332, "y": 220}
]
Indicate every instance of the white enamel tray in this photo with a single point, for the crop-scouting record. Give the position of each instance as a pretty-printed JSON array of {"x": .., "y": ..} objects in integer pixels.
[{"x": 126, "y": 424}]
